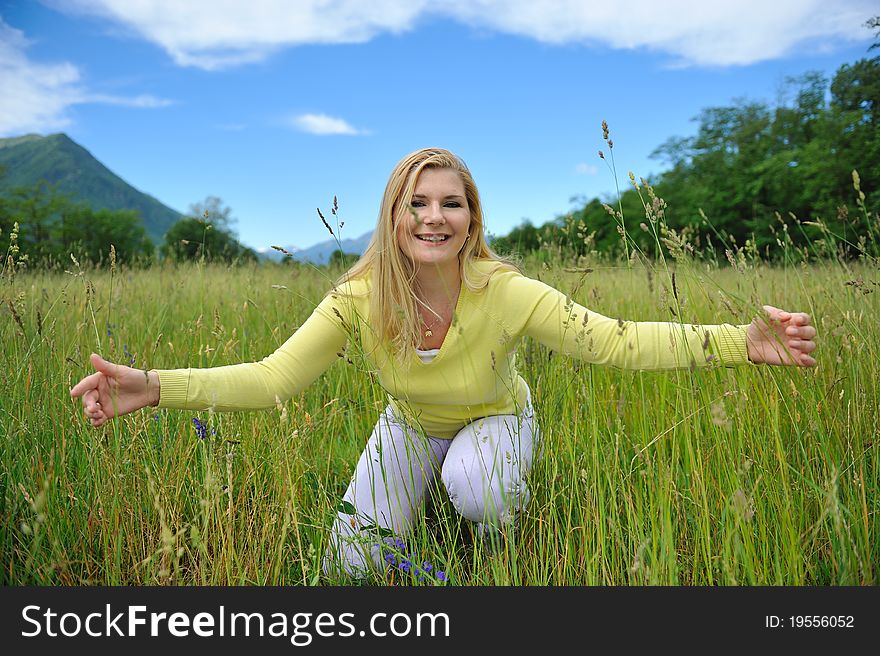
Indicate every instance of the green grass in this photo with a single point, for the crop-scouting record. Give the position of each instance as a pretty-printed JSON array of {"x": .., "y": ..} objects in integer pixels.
[{"x": 752, "y": 475}]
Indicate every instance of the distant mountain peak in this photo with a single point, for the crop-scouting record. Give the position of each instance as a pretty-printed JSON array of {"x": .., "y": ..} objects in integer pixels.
[{"x": 320, "y": 253}]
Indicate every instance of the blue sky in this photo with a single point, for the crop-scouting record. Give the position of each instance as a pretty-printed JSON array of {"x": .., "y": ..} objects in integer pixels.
[{"x": 277, "y": 106}]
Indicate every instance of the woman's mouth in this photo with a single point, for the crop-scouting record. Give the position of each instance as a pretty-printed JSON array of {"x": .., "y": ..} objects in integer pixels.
[{"x": 433, "y": 239}]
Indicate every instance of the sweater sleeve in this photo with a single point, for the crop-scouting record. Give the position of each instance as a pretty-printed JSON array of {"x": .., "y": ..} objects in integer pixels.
[
  {"x": 257, "y": 385},
  {"x": 565, "y": 326}
]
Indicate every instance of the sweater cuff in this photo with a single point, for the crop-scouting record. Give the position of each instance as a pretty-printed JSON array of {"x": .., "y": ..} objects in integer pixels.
[
  {"x": 730, "y": 345},
  {"x": 173, "y": 385}
]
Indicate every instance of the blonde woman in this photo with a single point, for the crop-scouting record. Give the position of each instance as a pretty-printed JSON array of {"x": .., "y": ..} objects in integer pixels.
[{"x": 438, "y": 317}]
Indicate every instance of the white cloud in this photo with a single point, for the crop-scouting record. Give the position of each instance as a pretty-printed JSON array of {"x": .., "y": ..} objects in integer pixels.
[
  {"x": 36, "y": 96},
  {"x": 223, "y": 33},
  {"x": 143, "y": 101},
  {"x": 322, "y": 124},
  {"x": 691, "y": 32},
  {"x": 586, "y": 169}
]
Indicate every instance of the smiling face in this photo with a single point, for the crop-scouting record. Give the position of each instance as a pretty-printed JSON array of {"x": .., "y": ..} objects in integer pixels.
[{"x": 433, "y": 233}]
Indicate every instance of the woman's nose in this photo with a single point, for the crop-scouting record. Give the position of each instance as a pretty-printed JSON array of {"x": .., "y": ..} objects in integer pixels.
[{"x": 434, "y": 214}]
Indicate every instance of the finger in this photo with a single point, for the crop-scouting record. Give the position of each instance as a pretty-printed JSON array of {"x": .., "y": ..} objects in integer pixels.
[
  {"x": 98, "y": 418},
  {"x": 775, "y": 314},
  {"x": 807, "y": 332},
  {"x": 108, "y": 368},
  {"x": 807, "y": 361},
  {"x": 87, "y": 383},
  {"x": 90, "y": 399},
  {"x": 800, "y": 318},
  {"x": 802, "y": 345}
]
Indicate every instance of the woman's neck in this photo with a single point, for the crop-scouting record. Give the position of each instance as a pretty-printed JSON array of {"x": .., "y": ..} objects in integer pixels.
[{"x": 434, "y": 285}]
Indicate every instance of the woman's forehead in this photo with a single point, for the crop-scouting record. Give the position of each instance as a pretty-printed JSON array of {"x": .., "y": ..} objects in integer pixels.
[{"x": 439, "y": 178}]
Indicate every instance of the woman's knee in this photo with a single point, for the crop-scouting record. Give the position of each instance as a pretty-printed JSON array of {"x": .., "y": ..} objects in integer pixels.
[
  {"x": 485, "y": 473},
  {"x": 481, "y": 498}
]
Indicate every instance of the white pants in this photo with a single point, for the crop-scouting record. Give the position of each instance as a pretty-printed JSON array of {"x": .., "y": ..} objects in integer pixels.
[{"x": 483, "y": 468}]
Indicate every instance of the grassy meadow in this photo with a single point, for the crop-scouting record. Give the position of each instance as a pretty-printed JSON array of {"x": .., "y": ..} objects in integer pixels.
[{"x": 741, "y": 476}]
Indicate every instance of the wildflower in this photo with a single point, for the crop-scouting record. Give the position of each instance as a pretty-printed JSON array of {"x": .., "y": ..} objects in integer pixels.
[
  {"x": 130, "y": 356},
  {"x": 441, "y": 576},
  {"x": 201, "y": 429}
]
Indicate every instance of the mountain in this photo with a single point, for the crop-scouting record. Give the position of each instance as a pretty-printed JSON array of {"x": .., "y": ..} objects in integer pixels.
[
  {"x": 56, "y": 158},
  {"x": 320, "y": 253}
]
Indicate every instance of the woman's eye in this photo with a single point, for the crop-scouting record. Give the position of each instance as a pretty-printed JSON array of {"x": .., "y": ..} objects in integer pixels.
[
  {"x": 453, "y": 203},
  {"x": 417, "y": 203}
]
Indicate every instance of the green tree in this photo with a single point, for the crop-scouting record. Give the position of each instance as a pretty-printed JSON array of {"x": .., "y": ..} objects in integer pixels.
[
  {"x": 522, "y": 239},
  {"x": 215, "y": 212},
  {"x": 34, "y": 209},
  {"x": 342, "y": 260},
  {"x": 194, "y": 239},
  {"x": 52, "y": 226},
  {"x": 88, "y": 234}
]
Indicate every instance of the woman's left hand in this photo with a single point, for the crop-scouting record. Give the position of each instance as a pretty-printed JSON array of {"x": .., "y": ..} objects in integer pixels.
[{"x": 781, "y": 337}]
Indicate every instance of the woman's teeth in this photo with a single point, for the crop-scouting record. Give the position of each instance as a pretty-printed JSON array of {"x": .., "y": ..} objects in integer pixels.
[{"x": 433, "y": 238}]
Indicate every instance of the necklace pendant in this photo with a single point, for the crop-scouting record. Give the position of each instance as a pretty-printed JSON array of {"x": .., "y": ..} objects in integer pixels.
[{"x": 429, "y": 333}]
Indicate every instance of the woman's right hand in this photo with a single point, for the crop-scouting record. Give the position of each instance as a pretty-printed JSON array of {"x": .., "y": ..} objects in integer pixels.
[{"x": 114, "y": 390}]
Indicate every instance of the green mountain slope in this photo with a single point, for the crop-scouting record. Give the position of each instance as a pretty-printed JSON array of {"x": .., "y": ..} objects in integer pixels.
[{"x": 56, "y": 158}]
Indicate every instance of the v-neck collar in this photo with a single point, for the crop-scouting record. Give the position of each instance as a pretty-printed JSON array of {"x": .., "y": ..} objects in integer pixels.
[{"x": 451, "y": 334}]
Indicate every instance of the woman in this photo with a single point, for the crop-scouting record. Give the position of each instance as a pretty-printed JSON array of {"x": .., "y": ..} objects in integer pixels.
[{"x": 438, "y": 316}]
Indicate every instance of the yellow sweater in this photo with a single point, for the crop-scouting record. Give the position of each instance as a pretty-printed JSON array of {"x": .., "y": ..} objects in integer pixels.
[{"x": 474, "y": 375}]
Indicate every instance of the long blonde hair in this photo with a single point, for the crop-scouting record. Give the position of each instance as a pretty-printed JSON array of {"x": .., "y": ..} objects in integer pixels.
[{"x": 393, "y": 303}]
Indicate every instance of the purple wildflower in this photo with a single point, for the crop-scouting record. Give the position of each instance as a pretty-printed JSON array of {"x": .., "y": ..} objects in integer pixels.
[
  {"x": 130, "y": 356},
  {"x": 201, "y": 429},
  {"x": 441, "y": 576}
]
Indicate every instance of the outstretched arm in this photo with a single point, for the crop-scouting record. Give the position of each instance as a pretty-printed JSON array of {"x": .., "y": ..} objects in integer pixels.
[
  {"x": 544, "y": 313},
  {"x": 782, "y": 338},
  {"x": 115, "y": 389}
]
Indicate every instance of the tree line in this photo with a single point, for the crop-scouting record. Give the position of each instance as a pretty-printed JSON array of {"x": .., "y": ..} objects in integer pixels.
[
  {"x": 753, "y": 174},
  {"x": 51, "y": 227}
]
